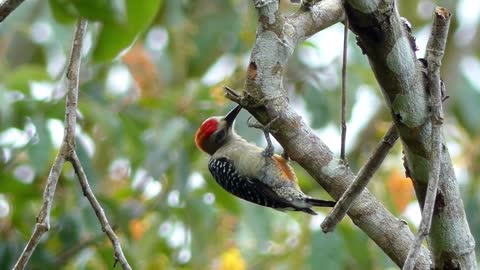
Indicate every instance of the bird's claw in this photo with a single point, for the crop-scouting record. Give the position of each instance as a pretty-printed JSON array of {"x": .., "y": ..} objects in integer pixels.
[
  {"x": 269, "y": 150},
  {"x": 265, "y": 128}
]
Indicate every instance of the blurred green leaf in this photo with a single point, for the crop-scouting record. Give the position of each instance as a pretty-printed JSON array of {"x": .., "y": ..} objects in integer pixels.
[
  {"x": 354, "y": 244},
  {"x": 69, "y": 230},
  {"x": 105, "y": 11},
  {"x": 212, "y": 38},
  {"x": 114, "y": 37},
  {"x": 67, "y": 11},
  {"x": 466, "y": 106},
  {"x": 19, "y": 79},
  {"x": 327, "y": 251},
  {"x": 309, "y": 44},
  {"x": 63, "y": 11},
  {"x": 87, "y": 164},
  {"x": 318, "y": 106},
  {"x": 39, "y": 151}
]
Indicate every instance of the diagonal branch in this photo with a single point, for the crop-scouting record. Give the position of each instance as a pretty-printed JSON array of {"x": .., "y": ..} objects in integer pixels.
[
  {"x": 355, "y": 189},
  {"x": 310, "y": 20},
  {"x": 43, "y": 219},
  {"x": 434, "y": 54},
  {"x": 67, "y": 153},
  {"x": 106, "y": 227},
  {"x": 8, "y": 7}
]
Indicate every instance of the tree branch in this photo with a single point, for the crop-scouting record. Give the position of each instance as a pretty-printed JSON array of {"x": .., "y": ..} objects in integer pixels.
[
  {"x": 344, "y": 91},
  {"x": 434, "y": 54},
  {"x": 383, "y": 38},
  {"x": 67, "y": 152},
  {"x": 355, "y": 189},
  {"x": 87, "y": 191},
  {"x": 43, "y": 219},
  {"x": 306, "y": 22},
  {"x": 8, "y": 7},
  {"x": 264, "y": 98}
]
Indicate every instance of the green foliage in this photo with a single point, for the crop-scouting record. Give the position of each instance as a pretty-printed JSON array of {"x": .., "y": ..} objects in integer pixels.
[
  {"x": 115, "y": 36},
  {"x": 137, "y": 118}
]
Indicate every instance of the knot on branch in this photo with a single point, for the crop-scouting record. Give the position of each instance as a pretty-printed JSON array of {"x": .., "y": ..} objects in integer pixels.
[{"x": 247, "y": 100}]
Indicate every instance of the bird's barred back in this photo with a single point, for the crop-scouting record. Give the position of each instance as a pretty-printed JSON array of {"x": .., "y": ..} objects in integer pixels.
[{"x": 252, "y": 190}]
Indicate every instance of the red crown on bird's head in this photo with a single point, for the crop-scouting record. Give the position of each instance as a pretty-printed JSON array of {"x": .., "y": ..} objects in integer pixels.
[{"x": 208, "y": 127}]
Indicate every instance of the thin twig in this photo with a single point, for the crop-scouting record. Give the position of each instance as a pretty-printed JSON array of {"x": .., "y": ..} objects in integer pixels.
[
  {"x": 358, "y": 185},
  {"x": 43, "y": 219},
  {"x": 8, "y": 7},
  {"x": 73, "y": 74},
  {"x": 87, "y": 191},
  {"x": 344, "y": 89},
  {"x": 67, "y": 152},
  {"x": 434, "y": 54}
]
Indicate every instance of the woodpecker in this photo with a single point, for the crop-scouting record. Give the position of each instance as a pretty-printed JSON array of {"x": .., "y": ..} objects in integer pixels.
[{"x": 250, "y": 172}]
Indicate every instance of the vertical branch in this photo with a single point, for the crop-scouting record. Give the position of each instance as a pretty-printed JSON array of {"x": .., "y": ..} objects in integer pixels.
[
  {"x": 73, "y": 72},
  {"x": 434, "y": 55},
  {"x": 344, "y": 89}
]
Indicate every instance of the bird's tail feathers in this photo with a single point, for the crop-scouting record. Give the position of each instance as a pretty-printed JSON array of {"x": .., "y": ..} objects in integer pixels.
[
  {"x": 308, "y": 211},
  {"x": 321, "y": 203}
]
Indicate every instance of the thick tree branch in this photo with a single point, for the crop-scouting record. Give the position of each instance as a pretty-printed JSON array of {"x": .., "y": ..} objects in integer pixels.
[
  {"x": 67, "y": 153},
  {"x": 308, "y": 21},
  {"x": 361, "y": 181},
  {"x": 383, "y": 38},
  {"x": 8, "y": 7},
  {"x": 264, "y": 97}
]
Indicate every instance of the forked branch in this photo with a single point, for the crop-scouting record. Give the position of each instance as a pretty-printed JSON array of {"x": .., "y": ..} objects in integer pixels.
[{"x": 67, "y": 152}]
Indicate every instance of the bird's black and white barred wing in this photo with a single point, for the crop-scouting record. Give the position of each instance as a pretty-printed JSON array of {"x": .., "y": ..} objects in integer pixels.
[{"x": 250, "y": 189}]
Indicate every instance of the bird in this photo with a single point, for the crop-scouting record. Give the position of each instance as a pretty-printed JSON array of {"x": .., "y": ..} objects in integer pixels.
[{"x": 249, "y": 172}]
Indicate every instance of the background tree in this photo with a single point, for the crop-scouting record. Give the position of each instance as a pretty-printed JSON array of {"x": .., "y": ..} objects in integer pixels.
[{"x": 138, "y": 111}]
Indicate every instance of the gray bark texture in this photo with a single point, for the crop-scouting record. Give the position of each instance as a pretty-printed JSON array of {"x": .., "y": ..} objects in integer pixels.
[
  {"x": 390, "y": 48},
  {"x": 264, "y": 97},
  {"x": 384, "y": 39}
]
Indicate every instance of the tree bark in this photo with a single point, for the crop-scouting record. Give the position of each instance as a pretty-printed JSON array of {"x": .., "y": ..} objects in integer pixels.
[
  {"x": 384, "y": 39},
  {"x": 264, "y": 97}
]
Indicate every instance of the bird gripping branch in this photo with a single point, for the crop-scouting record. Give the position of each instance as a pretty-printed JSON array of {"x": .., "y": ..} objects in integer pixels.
[{"x": 249, "y": 172}]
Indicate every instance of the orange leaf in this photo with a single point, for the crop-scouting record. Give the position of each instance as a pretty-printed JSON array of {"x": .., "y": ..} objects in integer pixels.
[
  {"x": 143, "y": 70},
  {"x": 401, "y": 189},
  {"x": 137, "y": 228}
]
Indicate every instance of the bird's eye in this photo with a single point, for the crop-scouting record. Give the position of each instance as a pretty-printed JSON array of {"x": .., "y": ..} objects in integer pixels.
[{"x": 219, "y": 136}]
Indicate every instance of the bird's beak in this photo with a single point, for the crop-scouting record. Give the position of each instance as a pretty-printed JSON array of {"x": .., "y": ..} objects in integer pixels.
[{"x": 230, "y": 117}]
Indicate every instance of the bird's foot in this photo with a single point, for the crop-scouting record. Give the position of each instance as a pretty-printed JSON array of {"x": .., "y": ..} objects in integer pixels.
[{"x": 268, "y": 152}]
